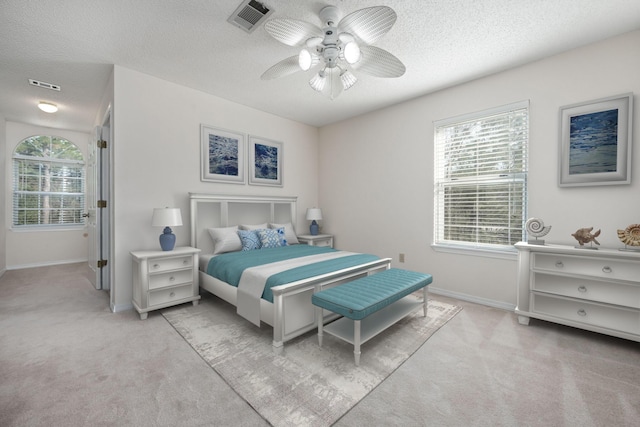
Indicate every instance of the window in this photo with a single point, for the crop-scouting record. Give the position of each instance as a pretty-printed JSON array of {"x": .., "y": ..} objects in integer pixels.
[
  {"x": 48, "y": 183},
  {"x": 481, "y": 178}
]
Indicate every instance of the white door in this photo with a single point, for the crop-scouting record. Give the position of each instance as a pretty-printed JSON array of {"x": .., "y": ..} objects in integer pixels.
[
  {"x": 92, "y": 183},
  {"x": 97, "y": 205}
]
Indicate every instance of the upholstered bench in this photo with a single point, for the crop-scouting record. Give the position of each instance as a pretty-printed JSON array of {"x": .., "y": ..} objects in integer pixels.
[{"x": 370, "y": 305}]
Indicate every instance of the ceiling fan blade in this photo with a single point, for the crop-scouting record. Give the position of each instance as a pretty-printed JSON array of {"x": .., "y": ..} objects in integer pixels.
[
  {"x": 283, "y": 68},
  {"x": 368, "y": 24},
  {"x": 379, "y": 63},
  {"x": 292, "y": 32}
]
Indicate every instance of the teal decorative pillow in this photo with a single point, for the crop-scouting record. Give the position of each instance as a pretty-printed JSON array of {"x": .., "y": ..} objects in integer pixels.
[
  {"x": 269, "y": 238},
  {"x": 249, "y": 239}
]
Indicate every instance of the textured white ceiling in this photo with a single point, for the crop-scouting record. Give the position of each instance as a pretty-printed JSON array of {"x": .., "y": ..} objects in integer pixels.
[{"x": 73, "y": 43}]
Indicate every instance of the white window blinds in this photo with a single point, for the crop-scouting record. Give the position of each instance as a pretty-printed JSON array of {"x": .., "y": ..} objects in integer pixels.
[{"x": 481, "y": 178}]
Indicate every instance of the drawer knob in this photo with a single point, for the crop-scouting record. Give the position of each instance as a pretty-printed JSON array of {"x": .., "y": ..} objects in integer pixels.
[
  {"x": 582, "y": 312},
  {"x": 582, "y": 289},
  {"x": 156, "y": 265},
  {"x": 559, "y": 264},
  {"x": 172, "y": 294},
  {"x": 171, "y": 279},
  {"x": 185, "y": 262},
  {"x": 607, "y": 269}
]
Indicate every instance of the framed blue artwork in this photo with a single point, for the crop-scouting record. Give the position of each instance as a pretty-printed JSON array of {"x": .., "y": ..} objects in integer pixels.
[
  {"x": 595, "y": 142},
  {"x": 223, "y": 155},
  {"x": 265, "y": 162}
]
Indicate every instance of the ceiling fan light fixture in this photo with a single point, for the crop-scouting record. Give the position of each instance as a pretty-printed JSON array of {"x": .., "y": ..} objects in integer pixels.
[
  {"x": 306, "y": 59},
  {"x": 47, "y": 107},
  {"x": 318, "y": 81},
  {"x": 348, "y": 79},
  {"x": 352, "y": 52}
]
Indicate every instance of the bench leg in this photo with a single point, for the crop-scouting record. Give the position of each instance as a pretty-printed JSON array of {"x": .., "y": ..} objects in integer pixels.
[
  {"x": 425, "y": 293},
  {"x": 320, "y": 324},
  {"x": 356, "y": 341}
]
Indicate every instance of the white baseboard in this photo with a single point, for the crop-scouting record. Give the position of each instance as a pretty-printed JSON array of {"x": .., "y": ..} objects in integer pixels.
[
  {"x": 46, "y": 264},
  {"x": 116, "y": 308},
  {"x": 471, "y": 298}
]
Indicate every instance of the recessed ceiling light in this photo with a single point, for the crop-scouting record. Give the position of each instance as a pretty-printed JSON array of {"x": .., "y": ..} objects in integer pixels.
[{"x": 47, "y": 107}]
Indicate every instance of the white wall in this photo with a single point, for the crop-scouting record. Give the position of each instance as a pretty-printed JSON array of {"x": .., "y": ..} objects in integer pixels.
[
  {"x": 27, "y": 248},
  {"x": 156, "y": 148},
  {"x": 376, "y": 171},
  {"x": 3, "y": 230}
]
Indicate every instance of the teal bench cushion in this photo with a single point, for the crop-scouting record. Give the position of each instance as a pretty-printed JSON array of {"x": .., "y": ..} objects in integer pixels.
[{"x": 362, "y": 297}]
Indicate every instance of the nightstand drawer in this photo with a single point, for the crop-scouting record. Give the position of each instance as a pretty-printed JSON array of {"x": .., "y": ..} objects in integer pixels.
[
  {"x": 609, "y": 269},
  {"x": 593, "y": 290},
  {"x": 167, "y": 295},
  {"x": 170, "y": 278},
  {"x": 620, "y": 319},
  {"x": 164, "y": 264}
]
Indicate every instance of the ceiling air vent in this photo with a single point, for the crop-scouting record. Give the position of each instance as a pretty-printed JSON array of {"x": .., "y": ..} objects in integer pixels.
[
  {"x": 44, "y": 84},
  {"x": 249, "y": 14}
]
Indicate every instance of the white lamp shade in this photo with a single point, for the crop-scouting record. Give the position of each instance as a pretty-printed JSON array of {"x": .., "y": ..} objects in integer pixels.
[
  {"x": 318, "y": 81},
  {"x": 166, "y": 217},
  {"x": 351, "y": 52},
  {"x": 314, "y": 214}
]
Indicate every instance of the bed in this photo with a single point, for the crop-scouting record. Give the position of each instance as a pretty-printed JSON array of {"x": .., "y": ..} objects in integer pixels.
[{"x": 290, "y": 274}]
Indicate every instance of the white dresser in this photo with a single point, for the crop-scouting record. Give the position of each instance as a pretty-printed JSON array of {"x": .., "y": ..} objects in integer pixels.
[
  {"x": 597, "y": 290},
  {"x": 164, "y": 278}
]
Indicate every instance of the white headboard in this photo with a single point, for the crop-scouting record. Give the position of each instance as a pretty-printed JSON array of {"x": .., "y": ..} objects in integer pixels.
[{"x": 224, "y": 210}]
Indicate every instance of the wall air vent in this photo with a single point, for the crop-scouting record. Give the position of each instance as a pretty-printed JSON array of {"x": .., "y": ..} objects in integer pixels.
[
  {"x": 44, "y": 85},
  {"x": 249, "y": 14}
]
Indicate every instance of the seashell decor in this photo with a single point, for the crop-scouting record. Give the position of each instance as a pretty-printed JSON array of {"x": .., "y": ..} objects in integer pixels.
[
  {"x": 535, "y": 227},
  {"x": 631, "y": 235}
]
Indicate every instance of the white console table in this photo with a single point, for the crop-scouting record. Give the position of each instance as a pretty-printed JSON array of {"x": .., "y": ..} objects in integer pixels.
[{"x": 597, "y": 290}]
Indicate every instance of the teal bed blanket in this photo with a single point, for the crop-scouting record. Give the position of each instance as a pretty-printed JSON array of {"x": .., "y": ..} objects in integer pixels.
[{"x": 230, "y": 266}]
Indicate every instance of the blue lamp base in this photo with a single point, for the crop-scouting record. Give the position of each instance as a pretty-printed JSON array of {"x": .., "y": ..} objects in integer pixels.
[
  {"x": 167, "y": 240},
  {"x": 313, "y": 228}
]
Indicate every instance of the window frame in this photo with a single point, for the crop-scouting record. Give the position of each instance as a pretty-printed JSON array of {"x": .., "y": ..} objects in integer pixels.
[
  {"x": 518, "y": 177},
  {"x": 50, "y": 159}
]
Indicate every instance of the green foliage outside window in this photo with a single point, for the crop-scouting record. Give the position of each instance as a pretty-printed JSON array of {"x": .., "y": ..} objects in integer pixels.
[{"x": 48, "y": 183}]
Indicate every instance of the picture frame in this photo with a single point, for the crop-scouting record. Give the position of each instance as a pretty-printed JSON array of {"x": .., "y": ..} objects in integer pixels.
[
  {"x": 595, "y": 142},
  {"x": 222, "y": 155},
  {"x": 265, "y": 161}
]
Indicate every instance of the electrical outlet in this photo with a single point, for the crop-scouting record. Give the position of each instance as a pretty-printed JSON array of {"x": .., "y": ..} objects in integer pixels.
[{"x": 401, "y": 258}]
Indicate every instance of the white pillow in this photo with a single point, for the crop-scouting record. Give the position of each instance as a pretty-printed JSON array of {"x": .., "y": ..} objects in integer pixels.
[
  {"x": 289, "y": 232},
  {"x": 225, "y": 239},
  {"x": 252, "y": 227}
]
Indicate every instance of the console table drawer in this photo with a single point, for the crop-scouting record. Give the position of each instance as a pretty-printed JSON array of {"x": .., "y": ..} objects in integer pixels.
[
  {"x": 587, "y": 266},
  {"x": 593, "y": 290},
  {"x": 626, "y": 320},
  {"x": 166, "y": 264},
  {"x": 167, "y": 295}
]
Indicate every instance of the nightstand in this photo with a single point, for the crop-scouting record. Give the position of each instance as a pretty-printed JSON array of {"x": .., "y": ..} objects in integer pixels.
[
  {"x": 164, "y": 278},
  {"x": 317, "y": 240}
]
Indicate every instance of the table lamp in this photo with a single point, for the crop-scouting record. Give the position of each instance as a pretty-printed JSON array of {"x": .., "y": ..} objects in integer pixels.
[
  {"x": 167, "y": 218},
  {"x": 314, "y": 214}
]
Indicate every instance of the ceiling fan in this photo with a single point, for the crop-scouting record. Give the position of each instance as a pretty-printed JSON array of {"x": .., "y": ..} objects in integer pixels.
[{"x": 339, "y": 48}]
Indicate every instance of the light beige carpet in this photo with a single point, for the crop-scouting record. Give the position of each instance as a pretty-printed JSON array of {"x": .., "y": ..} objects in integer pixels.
[{"x": 305, "y": 384}]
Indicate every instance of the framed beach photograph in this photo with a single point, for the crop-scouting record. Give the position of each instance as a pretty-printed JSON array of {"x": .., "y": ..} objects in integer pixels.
[
  {"x": 223, "y": 155},
  {"x": 265, "y": 162},
  {"x": 595, "y": 142}
]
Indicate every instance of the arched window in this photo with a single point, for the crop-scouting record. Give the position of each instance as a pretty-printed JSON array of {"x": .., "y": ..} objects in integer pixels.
[{"x": 48, "y": 183}]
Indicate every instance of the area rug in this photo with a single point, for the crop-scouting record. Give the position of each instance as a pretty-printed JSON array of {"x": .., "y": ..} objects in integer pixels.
[{"x": 305, "y": 384}]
